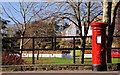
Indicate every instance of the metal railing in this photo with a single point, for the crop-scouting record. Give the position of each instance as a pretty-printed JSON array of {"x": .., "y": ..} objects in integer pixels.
[{"x": 53, "y": 45}]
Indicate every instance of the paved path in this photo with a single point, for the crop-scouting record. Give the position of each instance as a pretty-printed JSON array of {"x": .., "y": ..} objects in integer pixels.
[{"x": 63, "y": 73}]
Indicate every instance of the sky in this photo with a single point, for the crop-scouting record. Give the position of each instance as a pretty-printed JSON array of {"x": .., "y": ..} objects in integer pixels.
[
  {"x": 49, "y": 0},
  {"x": 5, "y": 17},
  {"x": 30, "y": 0},
  {"x": 8, "y": 6}
]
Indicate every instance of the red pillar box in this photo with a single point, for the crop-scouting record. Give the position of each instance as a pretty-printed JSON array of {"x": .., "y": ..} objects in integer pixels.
[{"x": 99, "y": 46}]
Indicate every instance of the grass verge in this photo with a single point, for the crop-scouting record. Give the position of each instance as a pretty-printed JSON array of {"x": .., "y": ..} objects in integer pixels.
[{"x": 63, "y": 60}]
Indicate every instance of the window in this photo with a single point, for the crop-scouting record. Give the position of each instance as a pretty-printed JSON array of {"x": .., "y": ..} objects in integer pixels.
[{"x": 77, "y": 31}]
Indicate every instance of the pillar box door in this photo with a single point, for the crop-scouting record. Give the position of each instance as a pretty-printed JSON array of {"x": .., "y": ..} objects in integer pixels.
[{"x": 99, "y": 46}]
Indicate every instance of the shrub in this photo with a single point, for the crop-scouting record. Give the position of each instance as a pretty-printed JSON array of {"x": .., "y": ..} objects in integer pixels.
[{"x": 11, "y": 58}]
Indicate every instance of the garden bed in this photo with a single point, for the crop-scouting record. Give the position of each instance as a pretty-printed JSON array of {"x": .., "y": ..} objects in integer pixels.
[{"x": 48, "y": 52}]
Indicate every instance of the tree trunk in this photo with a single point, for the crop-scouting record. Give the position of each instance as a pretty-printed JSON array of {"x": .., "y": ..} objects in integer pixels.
[
  {"x": 0, "y": 41},
  {"x": 83, "y": 50},
  {"x": 81, "y": 42},
  {"x": 85, "y": 32},
  {"x": 111, "y": 30},
  {"x": 21, "y": 44},
  {"x": 109, "y": 17},
  {"x": 106, "y": 11}
]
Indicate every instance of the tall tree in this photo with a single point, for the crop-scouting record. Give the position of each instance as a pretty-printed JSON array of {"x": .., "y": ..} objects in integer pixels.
[
  {"x": 21, "y": 13},
  {"x": 109, "y": 15},
  {"x": 79, "y": 13},
  {"x": 116, "y": 41}
]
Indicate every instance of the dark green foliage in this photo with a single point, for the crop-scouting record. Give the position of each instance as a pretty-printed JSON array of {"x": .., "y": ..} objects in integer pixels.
[{"x": 5, "y": 43}]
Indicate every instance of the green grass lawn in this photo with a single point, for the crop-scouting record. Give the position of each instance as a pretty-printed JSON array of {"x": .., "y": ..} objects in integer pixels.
[
  {"x": 50, "y": 60},
  {"x": 77, "y": 52},
  {"x": 63, "y": 60},
  {"x": 115, "y": 60},
  {"x": 55, "y": 60}
]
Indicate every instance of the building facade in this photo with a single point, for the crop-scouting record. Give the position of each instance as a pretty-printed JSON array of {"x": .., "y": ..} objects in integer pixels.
[{"x": 72, "y": 30}]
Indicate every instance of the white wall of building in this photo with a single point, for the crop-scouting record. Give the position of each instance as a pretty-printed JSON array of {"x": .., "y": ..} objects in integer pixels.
[
  {"x": 72, "y": 30},
  {"x": 70, "y": 55}
]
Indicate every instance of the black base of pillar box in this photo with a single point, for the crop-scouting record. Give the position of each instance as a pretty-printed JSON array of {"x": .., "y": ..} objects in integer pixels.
[{"x": 99, "y": 67}]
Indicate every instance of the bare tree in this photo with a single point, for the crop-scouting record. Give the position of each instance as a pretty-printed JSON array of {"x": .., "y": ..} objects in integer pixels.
[
  {"x": 21, "y": 13},
  {"x": 79, "y": 13},
  {"x": 39, "y": 29}
]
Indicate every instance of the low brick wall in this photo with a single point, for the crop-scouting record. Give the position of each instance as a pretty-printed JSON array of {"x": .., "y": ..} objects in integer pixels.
[
  {"x": 110, "y": 67},
  {"x": 45, "y": 67},
  {"x": 113, "y": 67}
]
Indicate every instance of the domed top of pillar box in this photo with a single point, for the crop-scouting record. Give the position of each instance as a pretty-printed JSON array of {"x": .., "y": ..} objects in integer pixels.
[{"x": 99, "y": 24}]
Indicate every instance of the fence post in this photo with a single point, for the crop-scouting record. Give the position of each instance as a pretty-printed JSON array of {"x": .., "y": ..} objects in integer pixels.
[
  {"x": 22, "y": 45},
  {"x": 83, "y": 49},
  {"x": 33, "y": 59},
  {"x": 74, "y": 50},
  {"x": 52, "y": 43},
  {"x": 55, "y": 43}
]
